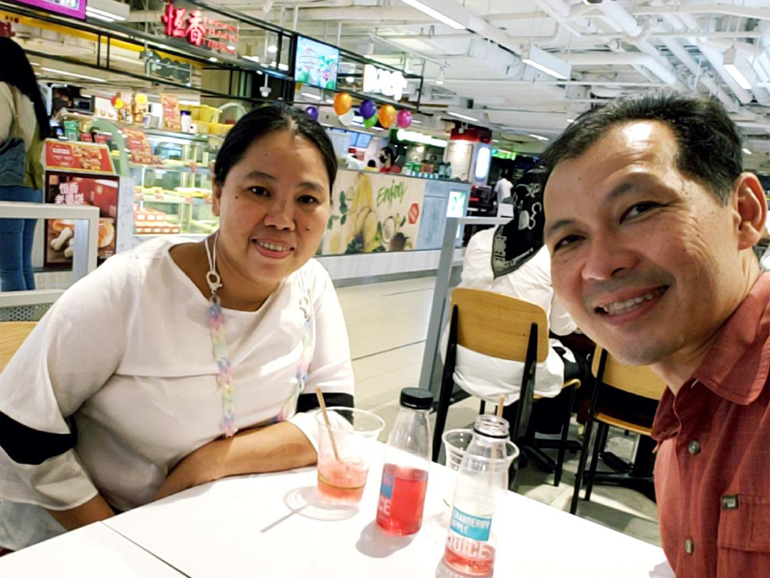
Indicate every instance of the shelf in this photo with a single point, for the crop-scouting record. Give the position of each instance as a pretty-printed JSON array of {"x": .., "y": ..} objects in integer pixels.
[
  {"x": 174, "y": 200},
  {"x": 173, "y": 168}
]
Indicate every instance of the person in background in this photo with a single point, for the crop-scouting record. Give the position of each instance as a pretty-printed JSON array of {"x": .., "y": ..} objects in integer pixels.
[
  {"x": 387, "y": 159},
  {"x": 512, "y": 260},
  {"x": 61, "y": 98},
  {"x": 22, "y": 116},
  {"x": 371, "y": 166},
  {"x": 179, "y": 363},
  {"x": 503, "y": 187},
  {"x": 651, "y": 223}
]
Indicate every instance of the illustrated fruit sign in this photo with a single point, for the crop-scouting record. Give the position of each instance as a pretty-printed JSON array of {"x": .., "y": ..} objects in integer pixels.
[{"x": 373, "y": 213}]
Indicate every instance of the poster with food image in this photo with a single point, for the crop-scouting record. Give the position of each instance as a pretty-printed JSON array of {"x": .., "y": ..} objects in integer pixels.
[
  {"x": 373, "y": 213},
  {"x": 69, "y": 189},
  {"x": 89, "y": 157},
  {"x": 140, "y": 151},
  {"x": 172, "y": 117}
]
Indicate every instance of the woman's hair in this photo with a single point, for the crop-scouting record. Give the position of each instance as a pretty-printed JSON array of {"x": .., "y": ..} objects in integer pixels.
[
  {"x": 390, "y": 154},
  {"x": 16, "y": 70},
  {"x": 265, "y": 121}
]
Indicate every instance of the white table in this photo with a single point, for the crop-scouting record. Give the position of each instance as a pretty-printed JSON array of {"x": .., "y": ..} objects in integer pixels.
[
  {"x": 243, "y": 527},
  {"x": 95, "y": 551}
]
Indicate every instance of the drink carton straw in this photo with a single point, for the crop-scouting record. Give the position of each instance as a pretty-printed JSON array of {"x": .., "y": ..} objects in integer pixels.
[
  {"x": 500, "y": 406},
  {"x": 322, "y": 403}
]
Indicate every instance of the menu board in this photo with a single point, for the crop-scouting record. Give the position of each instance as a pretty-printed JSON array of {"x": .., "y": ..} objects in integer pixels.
[
  {"x": 70, "y": 189},
  {"x": 73, "y": 8},
  {"x": 82, "y": 157},
  {"x": 317, "y": 63},
  {"x": 172, "y": 118}
]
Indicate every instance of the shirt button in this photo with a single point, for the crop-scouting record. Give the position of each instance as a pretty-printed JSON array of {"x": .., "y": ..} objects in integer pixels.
[
  {"x": 689, "y": 545},
  {"x": 694, "y": 447}
]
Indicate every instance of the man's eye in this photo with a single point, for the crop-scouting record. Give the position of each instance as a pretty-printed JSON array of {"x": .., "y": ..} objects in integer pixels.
[
  {"x": 259, "y": 191},
  {"x": 640, "y": 208},
  {"x": 566, "y": 241}
]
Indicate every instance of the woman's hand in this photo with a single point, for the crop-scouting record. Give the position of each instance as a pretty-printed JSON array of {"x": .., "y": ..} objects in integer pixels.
[{"x": 199, "y": 467}]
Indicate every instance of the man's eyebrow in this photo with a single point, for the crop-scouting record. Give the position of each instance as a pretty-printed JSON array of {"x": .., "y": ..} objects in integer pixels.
[{"x": 551, "y": 230}]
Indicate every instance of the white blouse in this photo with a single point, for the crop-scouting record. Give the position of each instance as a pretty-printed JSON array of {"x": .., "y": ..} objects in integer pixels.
[{"x": 124, "y": 361}]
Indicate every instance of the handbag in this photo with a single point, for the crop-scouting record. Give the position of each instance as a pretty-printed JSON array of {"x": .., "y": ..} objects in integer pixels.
[{"x": 13, "y": 156}]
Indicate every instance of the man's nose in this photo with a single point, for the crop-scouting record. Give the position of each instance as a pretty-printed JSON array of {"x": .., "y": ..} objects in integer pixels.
[{"x": 607, "y": 257}]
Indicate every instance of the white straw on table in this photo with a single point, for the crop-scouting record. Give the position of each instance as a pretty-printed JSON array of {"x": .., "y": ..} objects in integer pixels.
[{"x": 322, "y": 403}]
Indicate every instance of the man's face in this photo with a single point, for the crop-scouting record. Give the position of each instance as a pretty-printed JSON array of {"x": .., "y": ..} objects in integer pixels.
[{"x": 645, "y": 259}]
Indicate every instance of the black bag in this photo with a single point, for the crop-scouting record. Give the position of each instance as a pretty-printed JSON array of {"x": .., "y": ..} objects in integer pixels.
[{"x": 13, "y": 156}]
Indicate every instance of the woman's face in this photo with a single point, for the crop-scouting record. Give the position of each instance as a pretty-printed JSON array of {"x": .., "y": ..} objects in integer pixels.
[{"x": 273, "y": 208}]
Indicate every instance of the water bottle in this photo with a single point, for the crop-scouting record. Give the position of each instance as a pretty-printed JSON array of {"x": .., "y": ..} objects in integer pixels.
[
  {"x": 482, "y": 482},
  {"x": 407, "y": 460}
]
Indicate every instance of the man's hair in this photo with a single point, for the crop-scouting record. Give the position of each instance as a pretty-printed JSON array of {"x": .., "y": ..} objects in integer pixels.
[{"x": 708, "y": 141}]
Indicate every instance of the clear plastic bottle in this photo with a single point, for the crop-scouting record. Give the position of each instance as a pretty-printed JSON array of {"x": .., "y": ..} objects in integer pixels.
[
  {"x": 482, "y": 482},
  {"x": 407, "y": 460}
]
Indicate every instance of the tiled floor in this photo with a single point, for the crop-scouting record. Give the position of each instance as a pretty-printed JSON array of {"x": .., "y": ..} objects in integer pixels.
[{"x": 388, "y": 323}]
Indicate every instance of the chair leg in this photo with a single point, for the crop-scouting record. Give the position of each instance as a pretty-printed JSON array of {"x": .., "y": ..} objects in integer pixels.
[
  {"x": 601, "y": 441},
  {"x": 581, "y": 466},
  {"x": 564, "y": 435}
]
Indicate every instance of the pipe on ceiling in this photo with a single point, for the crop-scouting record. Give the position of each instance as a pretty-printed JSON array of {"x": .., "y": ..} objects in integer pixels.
[{"x": 622, "y": 58}]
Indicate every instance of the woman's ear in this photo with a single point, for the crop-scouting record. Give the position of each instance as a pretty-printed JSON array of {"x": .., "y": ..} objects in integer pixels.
[
  {"x": 751, "y": 208},
  {"x": 217, "y": 196}
]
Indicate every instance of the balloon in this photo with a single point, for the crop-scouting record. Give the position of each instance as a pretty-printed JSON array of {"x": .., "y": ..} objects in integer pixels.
[
  {"x": 370, "y": 122},
  {"x": 312, "y": 112},
  {"x": 347, "y": 118},
  {"x": 342, "y": 103},
  {"x": 404, "y": 118},
  {"x": 368, "y": 109},
  {"x": 387, "y": 115}
]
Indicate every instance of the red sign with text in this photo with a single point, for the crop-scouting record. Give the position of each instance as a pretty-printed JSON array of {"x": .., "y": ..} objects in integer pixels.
[
  {"x": 199, "y": 30},
  {"x": 82, "y": 157}
]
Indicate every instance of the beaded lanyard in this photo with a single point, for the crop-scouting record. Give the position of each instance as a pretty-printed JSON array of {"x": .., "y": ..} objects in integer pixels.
[
  {"x": 219, "y": 342},
  {"x": 222, "y": 355}
]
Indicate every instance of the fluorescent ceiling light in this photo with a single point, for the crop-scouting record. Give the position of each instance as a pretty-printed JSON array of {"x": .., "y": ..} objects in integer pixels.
[
  {"x": 730, "y": 64},
  {"x": 415, "y": 121},
  {"x": 570, "y": 120},
  {"x": 99, "y": 17},
  {"x": 545, "y": 62},
  {"x": 213, "y": 59},
  {"x": 349, "y": 79},
  {"x": 62, "y": 72},
  {"x": 443, "y": 18},
  {"x": 462, "y": 116},
  {"x": 230, "y": 47},
  {"x": 189, "y": 103},
  {"x": 104, "y": 9},
  {"x": 34, "y": 64},
  {"x": 272, "y": 49},
  {"x": 252, "y": 58},
  {"x": 747, "y": 151},
  {"x": 538, "y": 137},
  {"x": 313, "y": 96}
]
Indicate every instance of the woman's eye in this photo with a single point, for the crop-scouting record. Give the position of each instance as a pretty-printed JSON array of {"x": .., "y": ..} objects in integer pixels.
[
  {"x": 566, "y": 241},
  {"x": 308, "y": 200},
  {"x": 639, "y": 209},
  {"x": 259, "y": 191}
]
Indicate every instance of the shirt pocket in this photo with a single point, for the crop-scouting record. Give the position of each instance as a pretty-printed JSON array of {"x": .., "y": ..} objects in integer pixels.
[{"x": 747, "y": 526}]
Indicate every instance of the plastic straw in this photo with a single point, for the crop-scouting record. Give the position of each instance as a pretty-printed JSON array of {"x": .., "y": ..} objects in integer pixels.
[
  {"x": 500, "y": 406},
  {"x": 322, "y": 403}
]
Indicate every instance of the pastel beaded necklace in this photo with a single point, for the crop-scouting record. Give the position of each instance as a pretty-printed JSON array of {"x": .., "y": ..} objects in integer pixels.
[{"x": 219, "y": 342}]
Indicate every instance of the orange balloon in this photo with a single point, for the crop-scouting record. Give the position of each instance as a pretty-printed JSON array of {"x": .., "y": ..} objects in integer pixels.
[
  {"x": 386, "y": 114},
  {"x": 342, "y": 103}
]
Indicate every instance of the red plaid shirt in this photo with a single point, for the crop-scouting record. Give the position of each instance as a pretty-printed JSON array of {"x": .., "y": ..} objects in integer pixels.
[{"x": 712, "y": 475}]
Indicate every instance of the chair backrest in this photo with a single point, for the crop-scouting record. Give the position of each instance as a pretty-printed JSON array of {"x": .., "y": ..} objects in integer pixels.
[
  {"x": 636, "y": 379},
  {"x": 499, "y": 325},
  {"x": 12, "y": 335}
]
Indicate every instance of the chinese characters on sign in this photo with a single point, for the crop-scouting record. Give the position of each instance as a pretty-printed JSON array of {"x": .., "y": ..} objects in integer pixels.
[
  {"x": 200, "y": 30},
  {"x": 69, "y": 195}
]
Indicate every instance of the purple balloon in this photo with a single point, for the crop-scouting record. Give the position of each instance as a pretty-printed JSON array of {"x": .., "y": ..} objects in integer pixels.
[
  {"x": 312, "y": 112},
  {"x": 368, "y": 109},
  {"x": 404, "y": 118}
]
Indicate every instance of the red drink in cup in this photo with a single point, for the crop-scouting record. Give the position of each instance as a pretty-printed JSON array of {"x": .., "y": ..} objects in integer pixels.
[{"x": 342, "y": 480}]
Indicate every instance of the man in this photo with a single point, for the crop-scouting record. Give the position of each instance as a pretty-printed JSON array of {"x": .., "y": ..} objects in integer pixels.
[
  {"x": 651, "y": 221},
  {"x": 503, "y": 188}
]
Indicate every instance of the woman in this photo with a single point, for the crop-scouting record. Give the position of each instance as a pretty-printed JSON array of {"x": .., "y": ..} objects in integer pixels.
[
  {"x": 132, "y": 378},
  {"x": 23, "y": 116}
]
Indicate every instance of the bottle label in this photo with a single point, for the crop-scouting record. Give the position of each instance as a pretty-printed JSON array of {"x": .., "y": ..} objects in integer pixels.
[
  {"x": 386, "y": 489},
  {"x": 469, "y": 526}
]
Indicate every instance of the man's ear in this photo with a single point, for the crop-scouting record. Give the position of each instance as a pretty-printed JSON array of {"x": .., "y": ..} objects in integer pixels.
[
  {"x": 217, "y": 197},
  {"x": 751, "y": 208}
]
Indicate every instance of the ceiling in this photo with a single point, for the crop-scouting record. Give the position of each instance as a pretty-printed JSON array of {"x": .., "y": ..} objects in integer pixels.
[{"x": 614, "y": 47}]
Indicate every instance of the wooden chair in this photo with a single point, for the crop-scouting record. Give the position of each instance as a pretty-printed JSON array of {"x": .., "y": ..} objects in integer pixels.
[
  {"x": 641, "y": 386},
  {"x": 12, "y": 335},
  {"x": 503, "y": 327}
]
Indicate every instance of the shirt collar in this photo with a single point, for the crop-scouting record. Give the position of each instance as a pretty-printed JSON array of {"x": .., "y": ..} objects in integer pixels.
[{"x": 736, "y": 366}]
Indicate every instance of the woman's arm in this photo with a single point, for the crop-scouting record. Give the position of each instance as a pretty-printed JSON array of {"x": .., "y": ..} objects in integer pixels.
[
  {"x": 94, "y": 510},
  {"x": 275, "y": 448}
]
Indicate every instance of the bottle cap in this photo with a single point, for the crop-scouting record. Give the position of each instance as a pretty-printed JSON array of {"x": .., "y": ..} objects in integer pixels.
[{"x": 416, "y": 398}]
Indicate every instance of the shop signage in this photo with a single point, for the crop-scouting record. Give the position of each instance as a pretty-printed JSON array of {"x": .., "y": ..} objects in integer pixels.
[
  {"x": 81, "y": 157},
  {"x": 389, "y": 83},
  {"x": 418, "y": 137},
  {"x": 200, "y": 30}
]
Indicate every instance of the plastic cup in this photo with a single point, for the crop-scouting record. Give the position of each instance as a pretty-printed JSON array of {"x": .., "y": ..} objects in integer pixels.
[
  {"x": 456, "y": 441},
  {"x": 355, "y": 431}
]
